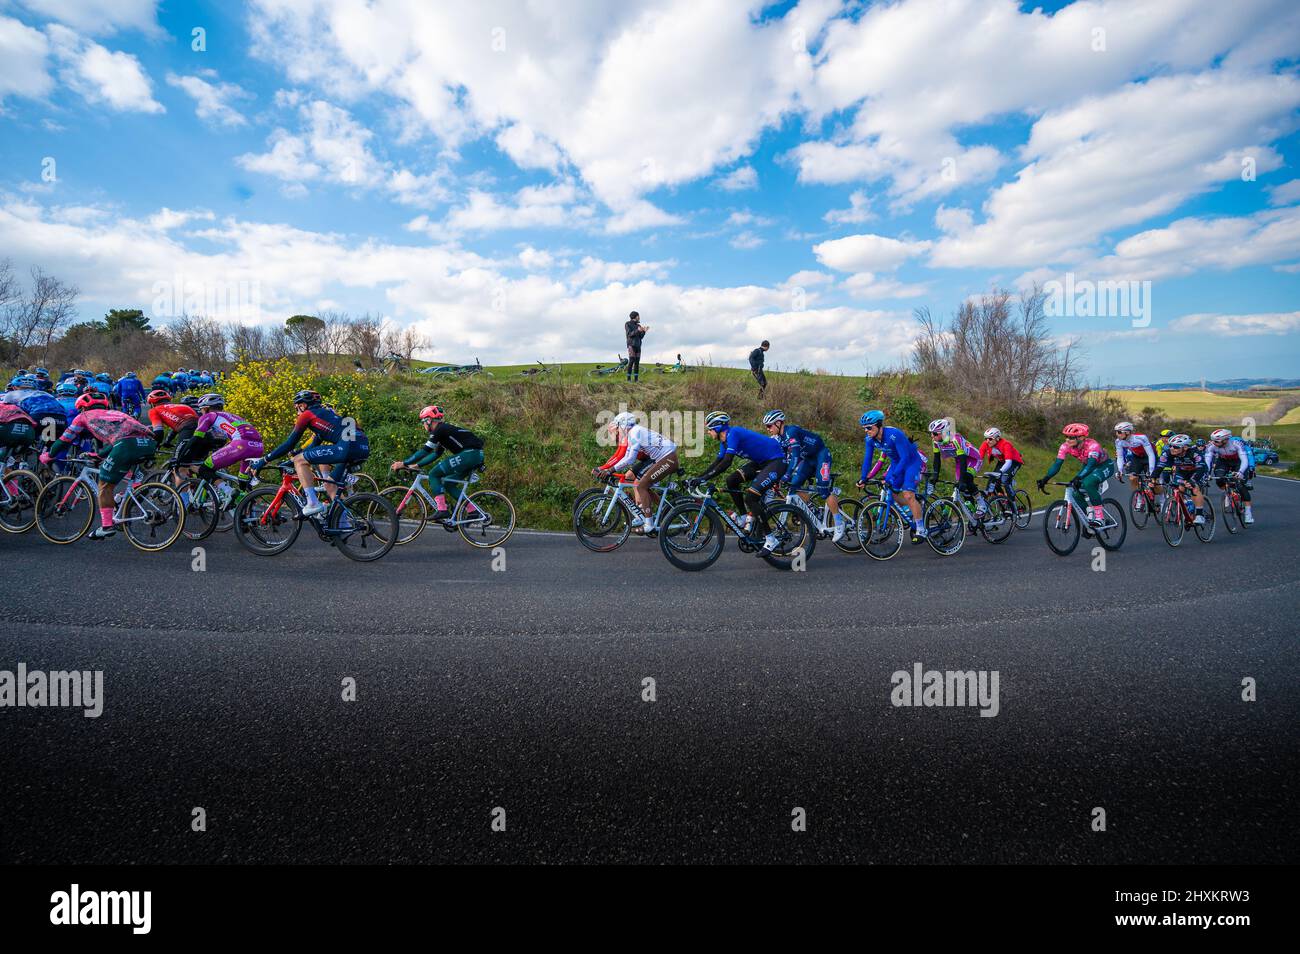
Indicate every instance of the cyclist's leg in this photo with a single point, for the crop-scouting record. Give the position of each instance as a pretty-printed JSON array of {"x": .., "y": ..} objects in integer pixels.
[
  {"x": 743, "y": 475},
  {"x": 645, "y": 497},
  {"x": 764, "y": 479}
]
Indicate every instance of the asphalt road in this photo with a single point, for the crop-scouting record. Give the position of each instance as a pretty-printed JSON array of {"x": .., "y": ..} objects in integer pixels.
[{"x": 522, "y": 689}]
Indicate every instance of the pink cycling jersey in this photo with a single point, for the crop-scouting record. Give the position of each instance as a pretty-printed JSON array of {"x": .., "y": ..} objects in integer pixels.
[
  {"x": 107, "y": 427},
  {"x": 1088, "y": 449}
]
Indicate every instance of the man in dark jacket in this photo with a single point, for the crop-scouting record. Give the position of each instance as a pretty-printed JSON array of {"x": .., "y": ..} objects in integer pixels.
[
  {"x": 635, "y": 331},
  {"x": 756, "y": 366}
]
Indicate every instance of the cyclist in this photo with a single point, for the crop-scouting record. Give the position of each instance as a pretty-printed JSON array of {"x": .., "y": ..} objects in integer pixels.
[
  {"x": 1226, "y": 454},
  {"x": 639, "y": 444},
  {"x": 806, "y": 454},
  {"x": 1163, "y": 440},
  {"x": 226, "y": 439},
  {"x": 170, "y": 422},
  {"x": 181, "y": 380},
  {"x": 50, "y": 415},
  {"x": 1002, "y": 454},
  {"x": 966, "y": 459},
  {"x": 1185, "y": 466},
  {"x": 43, "y": 381},
  {"x": 764, "y": 464},
  {"x": 339, "y": 441},
  {"x": 103, "y": 383},
  {"x": 465, "y": 447},
  {"x": 123, "y": 441},
  {"x": 1097, "y": 467},
  {"x": 17, "y": 431},
  {"x": 65, "y": 392},
  {"x": 905, "y": 464},
  {"x": 128, "y": 392},
  {"x": 163, "y": 382},
  {"x": 1135, "y": 457}
]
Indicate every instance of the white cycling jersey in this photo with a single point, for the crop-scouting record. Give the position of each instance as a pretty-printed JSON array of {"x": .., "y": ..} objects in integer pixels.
[
  {"x": 1233, "y": 452},
  {"x": 642, "y": 440},
  {"x": 1136, "y": 445}
]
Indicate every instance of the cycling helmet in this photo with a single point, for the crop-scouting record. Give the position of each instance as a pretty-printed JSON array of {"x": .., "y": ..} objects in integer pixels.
[
  {"x": 65, "y": 388},
  {"x": 193, "y": 371},
  {"x": 90, "y": 400},
  {"x": 939, "y": 426},
  {"x": 190, "y": 401},
  {"x": 22, "y": 372},
  {"x": 1180, "y": 440},
  {"x": 1075, "y": 430},
  {"x": 130, "y": 374},
  {"x": 42, "y": 372},
  {"x": 433, "y": 412},
  {"x": 308, "y": 397},
  {"x": 1221, "y": 435},
  {"x": 27, "y": 381},
  {"x": 1200, "y": 442},
  {"x": 103, "y": 376},
  {"x": 626, "y": 419},
  {"x": 158, "y": 397},
  {"x": 212, "y": 400},
  {"x": 717, "y": 421},
  {"x": 1124, "y": 427},
  {"x": 773, "y": 417},
  {"x": 872, "y": 417},
  {"x": 1166, "y": 432},
  {"x": 993, "y": 434}
]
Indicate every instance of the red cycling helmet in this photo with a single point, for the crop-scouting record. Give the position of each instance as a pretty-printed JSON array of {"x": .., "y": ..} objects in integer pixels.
[
  {"x": 432, "y": 413},
  {"x": 158, "y": 397},
  {"x": 1075, "y": 430},
  {"x": 90, "y": 400}
]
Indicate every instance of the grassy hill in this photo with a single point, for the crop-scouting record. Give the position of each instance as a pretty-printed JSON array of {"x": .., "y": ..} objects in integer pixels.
[
  {"x": 544, "y": 433},
  {"x": 1220, "y": 409}
]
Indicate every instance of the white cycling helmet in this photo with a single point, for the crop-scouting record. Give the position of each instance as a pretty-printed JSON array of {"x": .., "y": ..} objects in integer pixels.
[
  {"x": 993, "y": 434},
  {"x": 1124, "y": 427},
  {"x": 1221, "y": 435},
  {"x": 773, "y": 417},
  {"x": 1180, "y": 440},
  {"x": 939, "y": 426},
  {"x": 717, "y": 420},
  {"x": 626, "y": 419}
]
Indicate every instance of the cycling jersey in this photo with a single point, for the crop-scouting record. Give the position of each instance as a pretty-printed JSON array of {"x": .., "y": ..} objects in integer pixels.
[
  {"x": 173, "y": 417},
  {"x": 444, "y": 437},
  {"x": 326, "y": 424},
  {"x": 221, "y": 427},
  {"x": 751, "y": 445},
  {"x": 1189, "y": 466},
  {"x": 1001, "y": 451},
  {"x": 1136, "y": 447},
  {"x": 16, "y": 426},
  {"x": 800, "y": 444},
  {"x": 643, "y": 441},
  {"x": 128, "y": 391},
  {"x": 1234, "y": 455},
  {"x": 106, "y": 427},
  {"x": 36, "y": 404},
  {"x": 898, "y": 447},
  {"x": 1088, "y": 451},
  {"x": 956, "y": 446}
]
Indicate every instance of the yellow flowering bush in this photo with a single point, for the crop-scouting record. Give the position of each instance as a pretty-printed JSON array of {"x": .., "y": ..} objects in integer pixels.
[{"x": 262, "y": 392}]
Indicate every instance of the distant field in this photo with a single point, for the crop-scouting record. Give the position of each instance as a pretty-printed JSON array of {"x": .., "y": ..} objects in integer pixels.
[{"x": 1204, "y": 407}]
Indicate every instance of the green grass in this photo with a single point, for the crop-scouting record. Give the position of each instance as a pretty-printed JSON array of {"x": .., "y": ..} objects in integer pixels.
[{"x": 1203, "y": 407}]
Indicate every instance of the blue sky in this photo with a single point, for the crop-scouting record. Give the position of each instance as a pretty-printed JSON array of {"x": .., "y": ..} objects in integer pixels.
[{"x": 512, "y": 178}]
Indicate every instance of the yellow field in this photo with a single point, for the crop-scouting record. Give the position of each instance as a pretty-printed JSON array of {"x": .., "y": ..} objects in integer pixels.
[
  {"x": 1203, "y": 407},
  {"x": 1291, "y": 417}
]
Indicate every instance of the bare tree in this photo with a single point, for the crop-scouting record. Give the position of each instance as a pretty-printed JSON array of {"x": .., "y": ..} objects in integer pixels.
[
  {"x": 405, "y": 341},
  {"x": 366, "y": 339},
  {"x": 247, "y": 342},
  {"x": 198, "y": 340}
]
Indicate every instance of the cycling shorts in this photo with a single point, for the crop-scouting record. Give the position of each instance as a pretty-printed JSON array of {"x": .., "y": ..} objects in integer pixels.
[
  {"x": 818, "y": 467},
  {"x": 904, "y": 476},
  {"x": 123, "y": 455},
  {"x": 340, "y": 455}
]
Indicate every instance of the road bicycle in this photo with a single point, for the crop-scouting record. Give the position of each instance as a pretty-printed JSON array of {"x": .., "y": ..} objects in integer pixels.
[
  {"x": 363, "y": 527},
  {"x": 886, "y": 520},
  {"x": 820, "y": 520},
  {"x": 1144, "y": 502},
  {"x": 949, "y": 519},
  {"x": 150, "y": 513},
  {"x": 18, "y": 492},
  {"x": 541, "y": 369},
  {"x": 603, "y": 516},
  {"x": 600, "y": 370},
  {"x": 208, "y": 507},
  {"x": 1234, "y": 508},
  {"x": 694, "y": 533},
  {"x": 678, "y": 368},
  {"x": 1020, "y": 499},
  {"x": 1179, "y": 513},
  {"x": 448, "y": 371},
  {"x": 484, "y": 519},
  {"x": 1066, "y": 520}
]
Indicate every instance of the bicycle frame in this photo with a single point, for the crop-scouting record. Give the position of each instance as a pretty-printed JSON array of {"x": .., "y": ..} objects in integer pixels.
[
  {"x": 1074, "y": 511},
  {"x": 420, "y": 486},
  {"x": 819, "y": 517},
  {"x": 289, "y": 487},
  {"x": 617, "y": 492},
  {"x": 89, "y": 478},
  {"x": 708, "y": 503}
]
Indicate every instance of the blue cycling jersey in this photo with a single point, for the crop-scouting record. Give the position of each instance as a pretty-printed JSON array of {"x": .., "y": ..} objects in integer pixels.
[
  {"x": 897, "y": 446},
  {"x": 750, "y": 445},
  {"x": 36, "y": 404},
  {"x": 800, "y": 445},
  {"x": 128, "y": 390}
]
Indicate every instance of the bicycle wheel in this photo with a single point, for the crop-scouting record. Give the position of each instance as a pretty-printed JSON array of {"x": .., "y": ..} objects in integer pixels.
[
  {"x": 18, "y": 514},
  {"x": 692, "y": 536},
  {"x": 370, "y": 529},
  {"x": 1171, "y": 521},
  {"x": 153, "y": 517},
  {"x": 364, "y": 484},
  {"x": 998, "y": 523},
  {"x": 602, "y": 523},
  {"x": 1239, "y": 510},
  {"x": 412, "y": 512},
  {"x": 1112, "y": 535},
  {"x": 64, "y": 510},
  {"x": 794, "y": 534},
  {"x": 945, "y": 528},
  {"x": 854, "y": 534},
  {"x": 1231, "y": 515},
  {"x": 1061, "y": 528},
  {"x": 1139, "y": 509},
  {"x": 1024, "y": 509},
  {"x": 884, "y": 530},
  {"x": 203, "y": 509},
  {"x": 1205, "y": 531},
  {"x": 488, "y": 519},
  {"x": 265, "y": 527}
]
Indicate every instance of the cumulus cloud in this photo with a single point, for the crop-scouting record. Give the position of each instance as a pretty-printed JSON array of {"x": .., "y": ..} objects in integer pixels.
[
  {"x": 867, "y": 252},
  {"x": 212, "y": 99},
  {"x": 739, "y": 179},
  {"x": 1275, "y": 323},
  {"x": 101, "y": 76},
  {"x": 23, "y": 51},
  {"x": 99, "y": 16}
]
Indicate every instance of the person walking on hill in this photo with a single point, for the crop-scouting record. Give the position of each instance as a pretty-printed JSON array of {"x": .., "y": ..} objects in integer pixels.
[
  {"x": 634, "y": 331},
  {"x": 756, "y": 366}
]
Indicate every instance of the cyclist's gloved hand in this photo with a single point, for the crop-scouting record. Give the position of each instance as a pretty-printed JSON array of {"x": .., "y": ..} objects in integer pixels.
[
  {"x": 861, "y": 485},
  {"x": 1042, "y": 484},
  {"x": 693, "y": 482},
  {"x": 257, "y": 463},
  {"x": 45, "y": 457}
]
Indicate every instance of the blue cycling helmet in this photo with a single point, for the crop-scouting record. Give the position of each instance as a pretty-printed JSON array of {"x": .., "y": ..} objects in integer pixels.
[
  {"x": 42, "y": 372},
  {"x": 65, "y": 387},
  {"x": 27, "y": 381},
  {"x": 872, "y": 417},
  {"x": 103, "y": 376},
  {"x": 130, "y": 374}
]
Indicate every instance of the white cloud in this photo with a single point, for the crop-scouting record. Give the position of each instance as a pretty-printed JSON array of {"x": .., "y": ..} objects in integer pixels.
[
  {"x": 871, "y": 286},
  {"x": 212, "y": 100},
  {"x": 866, "y": 252},
  {"x": 1275, "y": 323},
  {"x": 1285, "y": 194},
  {"x": 22, "y": 61},
  {"x": 595, "y": 271},
  {"x": 739, "y": 179},
  {"x": 746, "y": 240},
  {"x": 535, "y": 259},
  {"x": 559, "y": 205},
  {"x": 859, "y": 211},
  {"x": 527, "y": 149},
  {"x": 99, "y": 16},
  {"x": 102, "y": 76},
  {"x": 639, "y": 215}
]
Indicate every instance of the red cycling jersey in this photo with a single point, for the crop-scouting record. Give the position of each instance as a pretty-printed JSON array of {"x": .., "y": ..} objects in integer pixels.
[
  {"x": 1002, "y": 450},
  {"x": 174, "y": 416}
]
